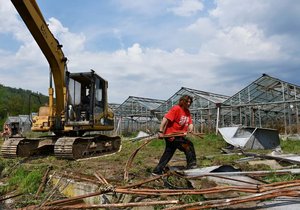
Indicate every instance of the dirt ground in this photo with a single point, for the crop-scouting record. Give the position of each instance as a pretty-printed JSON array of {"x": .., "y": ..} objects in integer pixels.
[{"x": 113, "y": 167}]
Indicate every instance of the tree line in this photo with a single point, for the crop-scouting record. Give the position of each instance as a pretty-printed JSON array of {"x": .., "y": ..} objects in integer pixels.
[{"x": 17, "y": 101}]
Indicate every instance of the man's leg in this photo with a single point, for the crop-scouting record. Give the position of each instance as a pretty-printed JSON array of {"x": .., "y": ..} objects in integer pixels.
[
  {"x": 187, "y": 147},
  {"x": 191, "y": 157},
  {"x": 165, "y": 158}
]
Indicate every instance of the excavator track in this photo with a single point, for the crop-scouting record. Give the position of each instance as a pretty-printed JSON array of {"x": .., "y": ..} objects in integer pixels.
[
  {"x": 9, "y": 147},
  {"x": 23, "y": 147},
  {"x": 64, "y": 147},
  {"x": 85, "y": 147}
]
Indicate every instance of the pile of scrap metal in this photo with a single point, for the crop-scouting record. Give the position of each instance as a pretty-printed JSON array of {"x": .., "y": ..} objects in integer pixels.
[
  {"x": 147, "y": 193},
  {"x": 200, "y": 188}
]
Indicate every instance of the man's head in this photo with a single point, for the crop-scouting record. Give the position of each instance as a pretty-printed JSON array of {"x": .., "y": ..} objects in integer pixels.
[{"x": 185, "y": 101}]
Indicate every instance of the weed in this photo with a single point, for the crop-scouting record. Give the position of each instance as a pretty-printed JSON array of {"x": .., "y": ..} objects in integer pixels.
[
  {"x": 25, "y": 176},
  {"x": 31, "y": 182},
  {"x": 290, "y": 146},
  {"x": 273, "y": 177},
  {"x": 192, "y": 198},
  {"x": 157, "y": 144},
  {"x": 24, "y": 180}
]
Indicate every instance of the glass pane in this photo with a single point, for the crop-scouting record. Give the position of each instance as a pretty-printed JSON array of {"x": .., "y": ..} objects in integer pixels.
[
  {"x": 74, "y": 92},
  {"x": 98, "y": 91}
]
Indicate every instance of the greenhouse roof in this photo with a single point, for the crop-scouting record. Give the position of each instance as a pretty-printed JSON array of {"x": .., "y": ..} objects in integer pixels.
[
  {"x": 201, "y": 99},
  {"x": 113, "y": 106},
  {"x": 138, "y": 106},
  {"x": 265, "y": 89}
]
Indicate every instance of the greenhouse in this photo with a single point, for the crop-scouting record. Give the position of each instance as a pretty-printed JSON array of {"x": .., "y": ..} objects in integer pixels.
[
  {"x": 267, "y": 102},
  {"x": 137, "y": 113},
  {"x": 203, "y": 108}
]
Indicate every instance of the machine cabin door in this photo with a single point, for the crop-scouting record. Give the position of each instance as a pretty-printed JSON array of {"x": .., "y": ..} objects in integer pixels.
[{"x": 87, "y": 97}]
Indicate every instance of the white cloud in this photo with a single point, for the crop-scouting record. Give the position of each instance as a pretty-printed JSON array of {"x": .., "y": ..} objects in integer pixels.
[
  {"x": 247, "y": 43},
  {"x": 8, "y": 20},
  {"x": 73, "y": 43},
  {"x": 187, "y": 8},
  {"x": 203, "y": 27},
  {"x": 234, "y": 12},
  {"x": 147, "y": 72},
  {"x": 157, "y": 58},
  {"x": 135, "y": 52},
  {"x": 149, "y": 7}
]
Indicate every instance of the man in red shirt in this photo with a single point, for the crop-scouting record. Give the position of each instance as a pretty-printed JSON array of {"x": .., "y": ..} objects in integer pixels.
[{"x": 177, "y": 122}]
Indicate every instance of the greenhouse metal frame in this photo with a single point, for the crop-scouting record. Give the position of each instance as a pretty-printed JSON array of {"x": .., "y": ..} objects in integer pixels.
[
  {"x": 136, "y": 113},
  {"x": 267, "y": 102}
]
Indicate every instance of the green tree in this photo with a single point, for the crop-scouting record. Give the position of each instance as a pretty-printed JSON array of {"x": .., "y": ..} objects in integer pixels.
[{"x": 15, "y": 102}]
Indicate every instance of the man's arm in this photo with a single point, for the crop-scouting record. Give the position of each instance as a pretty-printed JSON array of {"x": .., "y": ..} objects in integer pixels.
[
  {"x": 191, "y": 128},
  {"x": 163, "y": 125}
]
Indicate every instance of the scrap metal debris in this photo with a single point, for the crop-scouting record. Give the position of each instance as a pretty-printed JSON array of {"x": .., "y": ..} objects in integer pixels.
[
  {"x": 171, "y": 198},
  {"x": 44, "y": 180},
  {"x": 153, "y": 191},
  {"x": 195, "y": 172},
  {"x": 288, "y": 158},
  {"x": 250, "y": 137}
]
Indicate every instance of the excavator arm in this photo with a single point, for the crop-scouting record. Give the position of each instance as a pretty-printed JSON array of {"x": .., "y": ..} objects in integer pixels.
[{"x": 35, "y": 22}]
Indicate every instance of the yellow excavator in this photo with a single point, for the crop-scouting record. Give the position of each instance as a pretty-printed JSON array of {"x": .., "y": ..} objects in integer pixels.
[{"x": 75, "y": 114}]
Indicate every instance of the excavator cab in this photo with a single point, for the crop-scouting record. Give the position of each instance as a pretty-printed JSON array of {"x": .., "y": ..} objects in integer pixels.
[{"x": 87, "y": 107}]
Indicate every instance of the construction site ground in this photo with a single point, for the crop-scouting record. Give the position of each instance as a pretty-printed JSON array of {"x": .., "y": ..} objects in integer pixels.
[{"x": 128, "y": 172}]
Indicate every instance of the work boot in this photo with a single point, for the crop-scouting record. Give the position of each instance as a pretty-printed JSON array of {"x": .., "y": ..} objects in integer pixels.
[
  {"x": 156, "y": 171},
  {"x": 192, "y": 166}
]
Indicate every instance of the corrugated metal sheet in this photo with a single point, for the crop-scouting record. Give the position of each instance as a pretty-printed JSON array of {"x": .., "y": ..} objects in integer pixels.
[{"x": 250, "y": 137}]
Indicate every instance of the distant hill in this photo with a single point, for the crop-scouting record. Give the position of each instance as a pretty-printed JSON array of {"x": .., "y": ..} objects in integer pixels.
[{"x": 15, "y": 101}]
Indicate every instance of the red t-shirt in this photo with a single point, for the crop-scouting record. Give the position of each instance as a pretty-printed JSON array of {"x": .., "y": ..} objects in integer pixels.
[{"x": 179, "y": 120}]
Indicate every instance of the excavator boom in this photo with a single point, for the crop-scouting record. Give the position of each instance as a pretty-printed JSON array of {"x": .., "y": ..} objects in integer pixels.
[{"x": 35, "y": 22}]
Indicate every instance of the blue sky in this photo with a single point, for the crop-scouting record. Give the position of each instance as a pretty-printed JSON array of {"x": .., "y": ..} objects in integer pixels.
[{"x": 153, "y": 48}]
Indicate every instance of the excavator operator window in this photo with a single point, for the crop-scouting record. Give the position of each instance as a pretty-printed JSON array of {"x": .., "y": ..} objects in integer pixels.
[
  {"x": 99, "y": 106},
  {"x": 87, "y": 96},
  {"x": 99, "y": 95},
  {"x": 86, "y": 99},
  {"x": 74, "y": 98},
  {"x": 99, "y": 92},
  {"x": 74, "y": 92}
]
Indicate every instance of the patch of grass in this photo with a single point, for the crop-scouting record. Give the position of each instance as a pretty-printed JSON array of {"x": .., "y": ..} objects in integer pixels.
[
  {"x": 23, "y": 179},
  {"x": 192, "y": 198},
  {"x": 276, "y": 178},
  {"x": 208, "y": 145},
  {"x": 157, "y": 143},
  {"x": 224, "y": 159},
  {"x": 31, "y": 182},
  {"x": 257, "y": 167},
  {"x": 290, "y": 146}
]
